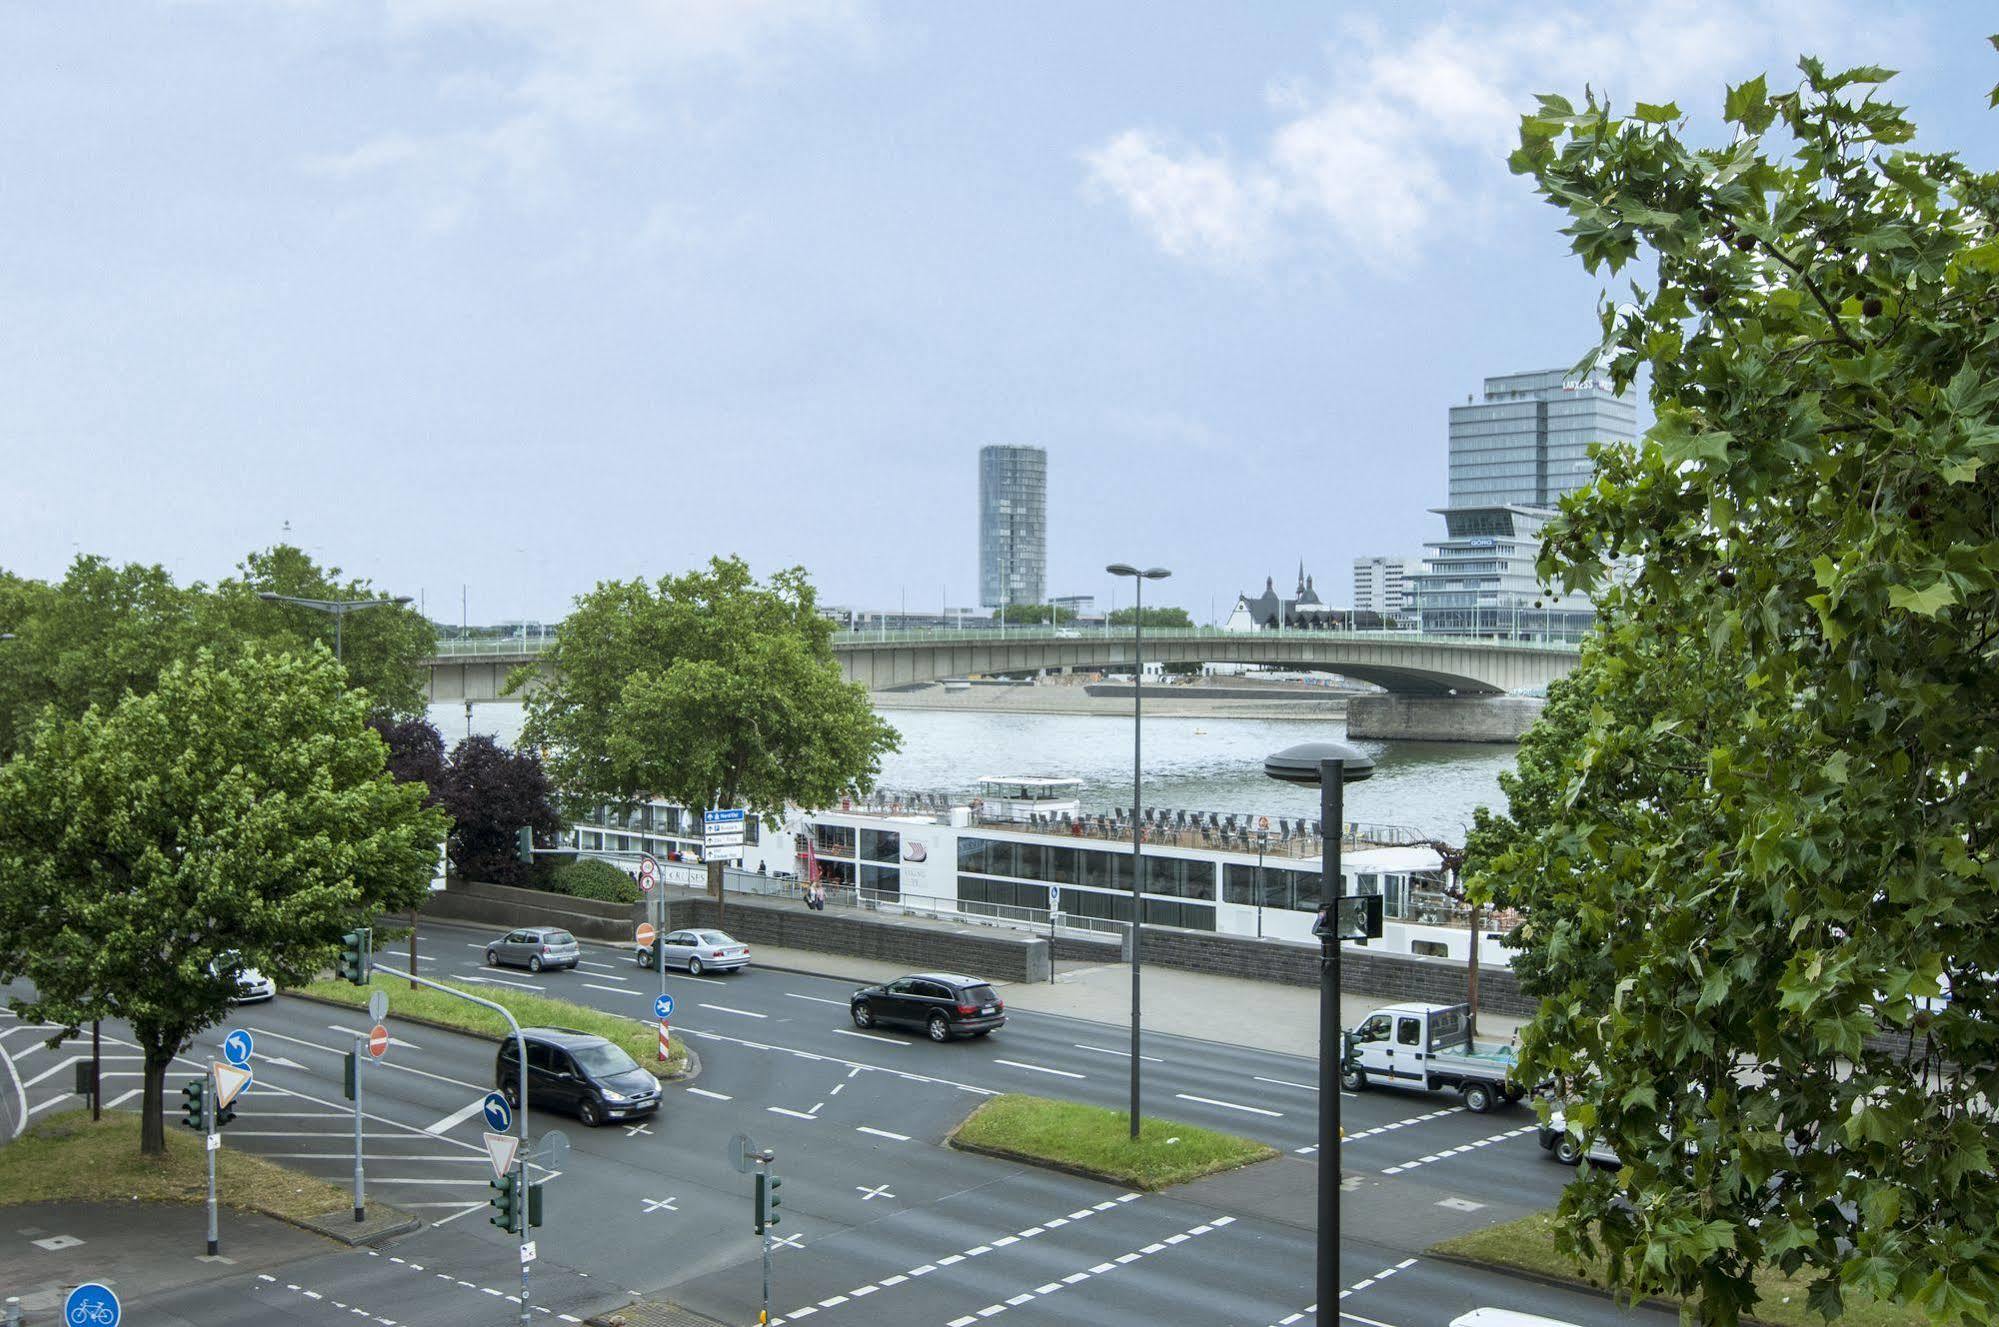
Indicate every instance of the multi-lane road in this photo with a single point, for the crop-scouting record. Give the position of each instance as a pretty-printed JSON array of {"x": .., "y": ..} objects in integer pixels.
[{"x": 883, "y": 1224}]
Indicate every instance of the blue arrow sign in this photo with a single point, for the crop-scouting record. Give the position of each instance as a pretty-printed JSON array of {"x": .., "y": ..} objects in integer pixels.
[
  {"x": 92, "y": 1305},
  {"x": 236, "y": 1047},
  {"x": 499, "y": 1115},
  {"x": 663, "y": 1007}
]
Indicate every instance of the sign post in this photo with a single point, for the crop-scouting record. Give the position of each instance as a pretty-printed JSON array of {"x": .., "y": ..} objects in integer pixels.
[
  {"x": 211, "y": 1140},
  {"x": 360, "y": 1184},
  {"x": 662, "y": 1008},
  {"x": 1054, "y": 911}
]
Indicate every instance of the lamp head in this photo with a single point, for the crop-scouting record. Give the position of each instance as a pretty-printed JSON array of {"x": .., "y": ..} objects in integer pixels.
[{"x": 1300, "y": 764}]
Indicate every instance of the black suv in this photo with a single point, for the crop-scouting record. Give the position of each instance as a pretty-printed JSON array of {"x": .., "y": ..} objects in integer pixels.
[
  {"x": 941, "y": 1003},
  {"x": 576, "y": 1071}
]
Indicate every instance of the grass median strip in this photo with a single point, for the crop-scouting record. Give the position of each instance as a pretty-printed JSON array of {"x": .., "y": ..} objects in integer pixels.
[
  {"x": 1094, "y": 1141},
  {"x": 639, "y": 1040},
  {"x": 66, "y": 1158},
  {"x": 1528, "y": 1245}
]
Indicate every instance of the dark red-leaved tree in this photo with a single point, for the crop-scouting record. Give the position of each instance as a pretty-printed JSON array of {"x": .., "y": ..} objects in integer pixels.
[{"x": 491, "y": 792}]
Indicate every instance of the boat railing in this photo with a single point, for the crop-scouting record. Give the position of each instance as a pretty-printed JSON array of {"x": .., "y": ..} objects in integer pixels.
[{"x": 987, "y": 914}]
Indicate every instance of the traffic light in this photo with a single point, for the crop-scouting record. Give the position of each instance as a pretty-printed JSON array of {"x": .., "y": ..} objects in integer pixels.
[
  {"x": 224, "y": 1114},
  {"x": 353, "y": 1067},
  {"x": 768, "y": 1200},
  {"x": 194, "y": 1103},
  {"x": 505, "y": 1203},
  {"x": 524, "y": 846},
  {"x": 357, "y": 949},
  {"x": 534, "y": 1204}
]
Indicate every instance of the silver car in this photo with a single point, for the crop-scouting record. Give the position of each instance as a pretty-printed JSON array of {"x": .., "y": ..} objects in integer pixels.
[
  {"x": 534, "y": 948},
  {"x": 698, "y": 952}
]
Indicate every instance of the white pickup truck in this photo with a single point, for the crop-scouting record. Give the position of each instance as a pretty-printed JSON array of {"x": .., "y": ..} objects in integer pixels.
[{"x": 1430, "y": 1047}]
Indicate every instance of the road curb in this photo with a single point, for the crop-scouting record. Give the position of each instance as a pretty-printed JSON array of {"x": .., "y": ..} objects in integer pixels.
[
  {"x": 1554, "y": 1282},
  {"x": 343, "y": 1229},
  {"x": 1042, "y": 1163},
  {"x": 688, "y": 1074}
]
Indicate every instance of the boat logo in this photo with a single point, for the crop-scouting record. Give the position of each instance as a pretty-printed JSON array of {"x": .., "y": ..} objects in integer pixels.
[{"x": 912, "y": 851}]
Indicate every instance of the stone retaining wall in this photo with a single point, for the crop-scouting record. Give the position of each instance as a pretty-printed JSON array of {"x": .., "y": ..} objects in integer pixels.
[{"x": 986, "y": 951}]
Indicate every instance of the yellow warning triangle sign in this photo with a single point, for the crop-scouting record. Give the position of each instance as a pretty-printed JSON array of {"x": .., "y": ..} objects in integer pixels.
[{"x": 229, "y": 1083}]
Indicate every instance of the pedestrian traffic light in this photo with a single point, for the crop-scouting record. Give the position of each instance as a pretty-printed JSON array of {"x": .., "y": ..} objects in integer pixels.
[
  {"x": 194, "y": 1103},
  {"x": 524, "y": 846},
  {"x": 768, "y": 1200},
  {"x": 505, "y": 1203},
  {"x": 224, "y": 1114},
  {"x": 534, "y": 1203},
  {"x": 353, "y": 1068},
  {"x": 356, "y": 955}
]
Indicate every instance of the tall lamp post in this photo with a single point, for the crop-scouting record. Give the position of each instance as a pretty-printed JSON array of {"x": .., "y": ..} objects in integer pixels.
[
  {"x": 1138, "y": 580},
  {"x": 339, "y": 608},
  {"x": 1331, "y": 765}
]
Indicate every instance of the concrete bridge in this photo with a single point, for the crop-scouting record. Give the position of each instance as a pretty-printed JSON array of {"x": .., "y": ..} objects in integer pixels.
[{"x": 1432, "y": 681}]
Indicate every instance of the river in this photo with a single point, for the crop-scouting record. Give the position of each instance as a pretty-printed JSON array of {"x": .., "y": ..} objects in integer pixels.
[{"x": 1191, "y": 764}]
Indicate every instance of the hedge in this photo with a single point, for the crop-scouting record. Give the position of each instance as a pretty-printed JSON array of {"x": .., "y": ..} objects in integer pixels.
[{"x": 592, "y": 879}]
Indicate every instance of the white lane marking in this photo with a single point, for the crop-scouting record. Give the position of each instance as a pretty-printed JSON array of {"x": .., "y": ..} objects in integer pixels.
[
  {"x": 474, "y": 1148},
  {"x": 1123, "y": 1259},
  {"x": 1107, "y": 1050},
  {"x": 726, "y": 1009},
  {"x": 374, "y": 1064},
  {"x": 816, "y": 999},
  {"x": 602, "y": 967},
  {"x": 116, "y": 1102},
  {"x": 713, "y": 1096},
  {"x": 456, "y": 1117},
  {"x": 1455, "y": 1151},
  {"x": 869, "y": 1036},
  {"x": 882, "y": 1133},
  {"x": 1039, "y": 1068},
  {"x": 1231, "y": 1105},
  {"x": 615, "y": 990},
  {"x": 58, "y": 1068},
  {"x": 353, "y": 1034},
  {"x": 835, "y": 1059},
  {"x": 21, "y": 1117},
  {"x": 1285, "y": 1082},
  {"x": 795, "y": 1114},
  {"x": 503, "y": 981},
  {"x": 1389, "y": 1127},
  {"x": 1377, "y": 1278}
]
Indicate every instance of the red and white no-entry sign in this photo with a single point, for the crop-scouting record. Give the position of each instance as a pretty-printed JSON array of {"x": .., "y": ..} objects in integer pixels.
[
  {"x": 378, "y": 1041},
  {"x": 646, "y": 935}
]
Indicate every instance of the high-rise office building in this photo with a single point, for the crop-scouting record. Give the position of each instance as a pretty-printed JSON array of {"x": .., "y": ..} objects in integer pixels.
[
  {"x": 1013, "y": 525},
  {"x": 1527, "y": 443},
  {"x": 1380, "y": 584},
  {"x": 1514, "y": 456}
]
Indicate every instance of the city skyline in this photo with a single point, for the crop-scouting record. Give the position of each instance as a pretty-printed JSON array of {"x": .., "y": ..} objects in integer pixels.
[{"x": 498, "y": 301}]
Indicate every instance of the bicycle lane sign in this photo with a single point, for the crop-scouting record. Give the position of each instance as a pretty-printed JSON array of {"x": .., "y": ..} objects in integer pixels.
[{"x": 92, "y": 1305}]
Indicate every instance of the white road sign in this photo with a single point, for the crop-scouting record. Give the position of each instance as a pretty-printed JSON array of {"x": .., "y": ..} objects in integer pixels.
[
  {"x": 501, "y": 1148},
  {"x": 229, "y": 1083}
]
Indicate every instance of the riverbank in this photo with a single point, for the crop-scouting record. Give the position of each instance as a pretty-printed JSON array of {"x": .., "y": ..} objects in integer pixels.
[{"x": 1184, "y": 702}]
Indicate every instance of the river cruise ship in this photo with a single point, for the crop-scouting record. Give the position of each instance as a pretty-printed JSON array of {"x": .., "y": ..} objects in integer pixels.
[{"x": 1016, "y": 848}]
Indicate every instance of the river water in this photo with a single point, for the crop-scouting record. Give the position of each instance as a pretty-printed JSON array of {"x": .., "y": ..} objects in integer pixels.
[{"x": 1192, "y": 764}]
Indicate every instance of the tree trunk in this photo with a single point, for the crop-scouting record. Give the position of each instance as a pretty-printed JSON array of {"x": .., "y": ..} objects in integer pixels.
[{"x": 152, "y": 1103}]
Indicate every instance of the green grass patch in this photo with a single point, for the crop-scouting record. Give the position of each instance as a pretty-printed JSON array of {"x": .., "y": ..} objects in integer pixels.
[
  {"x": 640, "y": 1040},
  {"x": 67, "y": 1158},
  {"x": 1097, "y": 1142},
  {"x": 1529, "y": 1245}
]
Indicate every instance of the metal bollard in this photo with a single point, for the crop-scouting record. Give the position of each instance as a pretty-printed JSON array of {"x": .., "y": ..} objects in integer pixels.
[{"x": 13, "y": 1311}]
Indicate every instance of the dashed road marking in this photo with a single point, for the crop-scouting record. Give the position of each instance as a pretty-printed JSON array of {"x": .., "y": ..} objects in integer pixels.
[
  {"x": 1285, "y": 1082},
  {"x": 835, "y": 1059},
  {"x": 1230, "y": 1105},
  {"x": 1434, "y": 1157},
  {"x": 712, "y": 1096},
  {"x": 1107, "y": 1050},
  {"x": 1039, "y": 1068},
  {"x": 1389, "y": 1127},
  {"x": 882, "y": 1133},
  {"x": 1376, "y": 1279},
  {"x": 1074, "y": 1278},
  {"x": 816, "y": 999},
  {"x": 729, "y": 1009}
]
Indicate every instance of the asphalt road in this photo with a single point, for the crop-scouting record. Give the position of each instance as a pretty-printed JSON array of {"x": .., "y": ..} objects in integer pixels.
[{"x": 883, "y": 1225}]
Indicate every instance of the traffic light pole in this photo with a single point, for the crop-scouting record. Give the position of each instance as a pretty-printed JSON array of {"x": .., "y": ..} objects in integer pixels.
[
  {"x": 360, "y": 1190},
  {"x": 765, "y": 1222},
  {"x": 210, "y": 1141}
]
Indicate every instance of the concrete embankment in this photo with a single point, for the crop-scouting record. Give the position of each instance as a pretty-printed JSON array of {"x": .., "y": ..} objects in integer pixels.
[{"x": 1163, "y": 702}]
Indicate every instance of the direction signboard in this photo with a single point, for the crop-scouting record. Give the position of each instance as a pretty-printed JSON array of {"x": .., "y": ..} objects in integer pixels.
[
  {"x": 501, "y": 1149},
  {"x": 499, "y": 1115},
  {"x": 236, "y": 1047},
  {"x": 662, "y": 1008},
  {"x": 92, "y": 1305},
  {"x": 720, "y": 829},
  {"x": 230, "y": 1080},
  {"x": 378, "y": 1041}
]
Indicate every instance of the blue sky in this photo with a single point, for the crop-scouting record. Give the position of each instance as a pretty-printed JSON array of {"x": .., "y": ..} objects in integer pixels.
[{"x": 523, "y": 294}]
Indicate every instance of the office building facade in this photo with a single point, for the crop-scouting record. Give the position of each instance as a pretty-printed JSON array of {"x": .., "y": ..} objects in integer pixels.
[
  {"x": 1380, "y": 584},
  {"x": 1013, "y": 526}
]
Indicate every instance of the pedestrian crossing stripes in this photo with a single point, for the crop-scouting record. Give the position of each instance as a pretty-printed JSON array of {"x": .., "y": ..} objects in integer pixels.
[
  {"x": 1389, "y": 1127},
  {"x": 1454, "y": 1151},
  {"x": 1076, "y": 1278}
]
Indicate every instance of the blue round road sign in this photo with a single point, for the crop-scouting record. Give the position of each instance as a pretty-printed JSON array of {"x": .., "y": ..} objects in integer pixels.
[
  {"x": 92, "y": 1305},
  {"x": 499, "y": 1115},
  {"x": 236, "y": 1047},
  {"x": 663, "y": 1007}
]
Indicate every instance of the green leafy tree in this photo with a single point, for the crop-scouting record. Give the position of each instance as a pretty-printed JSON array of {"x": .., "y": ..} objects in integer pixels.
[
  {"x": 706, "y": 689},
  {"x": 238, "y": 814},
  {"x": 1758, "y": 829},
  {"x": 1025, "y": 615},
  {"x": 1166, "y": 616}
]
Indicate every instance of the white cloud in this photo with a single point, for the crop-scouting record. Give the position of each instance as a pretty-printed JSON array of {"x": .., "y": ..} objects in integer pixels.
[{"x": 1406, "y": 134}]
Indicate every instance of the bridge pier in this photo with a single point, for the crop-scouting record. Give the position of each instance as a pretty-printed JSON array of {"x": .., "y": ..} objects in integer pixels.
[{"x": 1442, "y": 718}]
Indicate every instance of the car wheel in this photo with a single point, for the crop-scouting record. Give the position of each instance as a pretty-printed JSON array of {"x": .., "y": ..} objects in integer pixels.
[
  {"x": 644, "y": 957},
  {"x": 940, "y": 1028},
  {"x": 588, "y": 1111},
  {"x": 492, "y": 958},
  {"x": 1478, "y": 1098},
  {"x": 864, "y": 1017},
  {"x": 512, "y": 1092},
  {"x": 1568, "y": 1151},
  {"x": 1353, "y": 1080},
  {"x": 534, "y": 963},
  {"x": 693, "y": 965}
]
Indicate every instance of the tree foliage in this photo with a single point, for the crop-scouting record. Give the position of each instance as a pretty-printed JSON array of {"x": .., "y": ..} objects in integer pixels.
[
  {"x": 416, "y": 753},
  {"x": 237, "y": 814},
  {"x": 706, "y": 689},
  {"x": 1164, "y": 616},
  {"x": 490, "y": 793},
  {"x": 1020, "y": 615},
  {"x": 1756, "y": 830}
]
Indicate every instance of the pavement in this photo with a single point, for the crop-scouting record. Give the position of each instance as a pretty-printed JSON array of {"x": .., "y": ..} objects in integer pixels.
[{"x": 882, "y": 1222}]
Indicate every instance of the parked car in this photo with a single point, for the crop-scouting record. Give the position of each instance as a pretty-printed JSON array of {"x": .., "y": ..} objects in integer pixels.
[
  {"x": 1565, "y": 1146},
  {"x": 251, "y": 985},
  {"x": 1429, "y": 1047},
  {"x": 577, "y": 1072},
  {"x": 943, "y": 1004},
  {"x": 698, "y": 952},
  {"x": 534, "y": 948}
]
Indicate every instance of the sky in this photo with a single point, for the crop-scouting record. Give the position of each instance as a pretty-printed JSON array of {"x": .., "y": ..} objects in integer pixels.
[{"x": 490, "y": 300}]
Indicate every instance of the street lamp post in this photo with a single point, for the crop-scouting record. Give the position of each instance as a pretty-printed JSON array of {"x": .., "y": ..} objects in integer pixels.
[
  {"x": 1138, "y": 580},
  {"x": 1331, "y": 765},
  {"x": 339, "y": 608}
]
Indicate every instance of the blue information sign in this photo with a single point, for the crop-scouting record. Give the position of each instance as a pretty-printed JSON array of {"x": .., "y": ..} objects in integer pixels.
[
  {"x": 236, "y": 1047},
  {"x": 92, "y": 1305},
  {"x": 499, "y": 1115},
  {"x": 663, "y": 1007},
  {"x": 734, "y": 817}
]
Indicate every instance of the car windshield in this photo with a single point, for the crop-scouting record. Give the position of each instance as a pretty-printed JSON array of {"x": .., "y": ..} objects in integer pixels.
[
  {"x": 715, "y": 938},
  {"x": 981, "y": 995},
  {"x": 603, "y": 1060},
  {"x": 561, "y": 938}
]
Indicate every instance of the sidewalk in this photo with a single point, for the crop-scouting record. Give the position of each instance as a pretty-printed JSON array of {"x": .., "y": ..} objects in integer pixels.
[{"x": 1234, "y": 1010}]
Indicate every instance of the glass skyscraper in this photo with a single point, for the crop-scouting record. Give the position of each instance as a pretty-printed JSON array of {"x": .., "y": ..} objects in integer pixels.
[{"x": 1013, "y": 526}]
